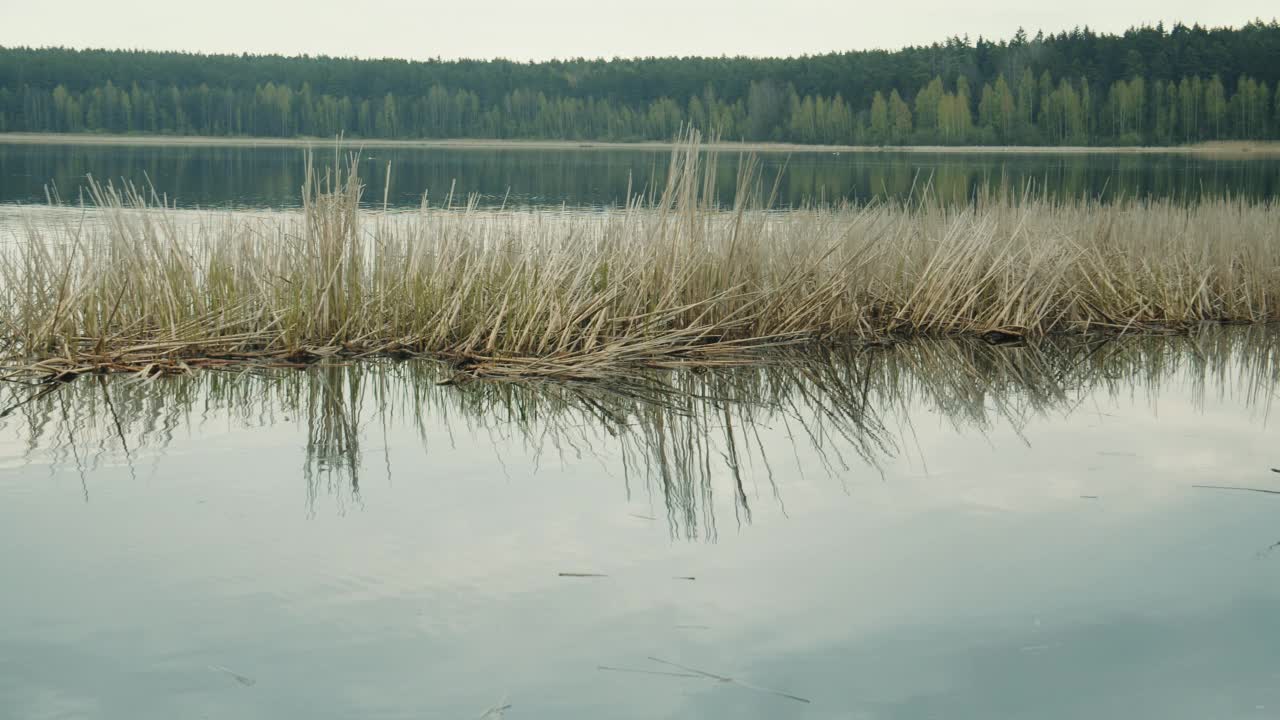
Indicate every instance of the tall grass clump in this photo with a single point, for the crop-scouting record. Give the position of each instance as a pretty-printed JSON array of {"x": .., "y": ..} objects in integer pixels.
[{"x": 671, "y": 278}]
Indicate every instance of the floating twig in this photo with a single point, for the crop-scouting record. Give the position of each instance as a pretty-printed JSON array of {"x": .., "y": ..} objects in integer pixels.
[
  {"x": 582, "y": 575},
  {"x": 686, "y": 668},
  {"x": 1234, "y": 487},
  {"x": 242, "y": 679},
  {"x": 647, "y": 672},
  {"x": 724, "y": 679},
  {"x": 684, "y": 577}
]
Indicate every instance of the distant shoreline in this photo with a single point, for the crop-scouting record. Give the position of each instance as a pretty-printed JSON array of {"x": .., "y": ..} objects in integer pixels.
[{"x": 1242, "y": 148}]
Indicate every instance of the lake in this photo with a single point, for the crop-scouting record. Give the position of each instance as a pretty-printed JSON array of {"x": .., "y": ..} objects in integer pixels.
[
  {"x": 938, "y": 528},
  {"x": 259, "y": 177}
]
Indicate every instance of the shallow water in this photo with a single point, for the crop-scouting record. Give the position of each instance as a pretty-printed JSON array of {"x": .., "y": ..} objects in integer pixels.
[
  {"x": 941, "y": 529},
  {"x": 257, "y": 177}
]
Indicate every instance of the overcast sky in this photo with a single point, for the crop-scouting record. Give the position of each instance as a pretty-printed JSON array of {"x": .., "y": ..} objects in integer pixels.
[{"x": 533, "y": 29}]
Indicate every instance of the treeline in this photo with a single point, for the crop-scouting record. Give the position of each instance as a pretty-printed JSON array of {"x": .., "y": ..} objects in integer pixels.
[{"x": 1147, "y": 86}]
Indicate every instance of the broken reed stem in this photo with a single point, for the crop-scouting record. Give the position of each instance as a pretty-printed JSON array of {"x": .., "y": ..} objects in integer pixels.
[{"x": 675, "y": 280}]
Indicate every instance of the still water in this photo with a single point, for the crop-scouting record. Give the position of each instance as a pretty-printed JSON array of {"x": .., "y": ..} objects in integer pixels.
[
  {"x": 257, "y": 177},
  {"x": 938, "y": 529}
]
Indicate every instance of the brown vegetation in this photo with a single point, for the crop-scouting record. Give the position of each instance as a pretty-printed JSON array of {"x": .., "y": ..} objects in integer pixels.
[{"x": 672, "y": 279}]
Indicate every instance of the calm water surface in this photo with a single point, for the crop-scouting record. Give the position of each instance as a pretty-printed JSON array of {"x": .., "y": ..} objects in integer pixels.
[
  {"x": 934, "y": 530},
  {"x": 252, "y": 177}
]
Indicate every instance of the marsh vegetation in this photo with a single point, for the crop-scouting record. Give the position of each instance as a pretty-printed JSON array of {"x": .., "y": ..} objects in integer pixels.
[{"x": 674, "y": 278}]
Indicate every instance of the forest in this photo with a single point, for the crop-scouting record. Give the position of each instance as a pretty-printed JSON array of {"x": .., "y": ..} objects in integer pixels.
[{"x": 1147, "y": 86}]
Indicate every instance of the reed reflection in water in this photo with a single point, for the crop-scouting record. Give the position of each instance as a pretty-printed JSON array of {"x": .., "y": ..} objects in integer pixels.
[{"x": 690, "y": 441}]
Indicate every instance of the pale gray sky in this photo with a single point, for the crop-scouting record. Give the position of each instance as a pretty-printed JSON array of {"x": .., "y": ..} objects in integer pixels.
[{"x": 533, "y": 29}]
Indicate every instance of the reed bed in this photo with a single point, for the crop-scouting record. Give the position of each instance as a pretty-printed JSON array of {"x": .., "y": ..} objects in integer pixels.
[{"x": 671, "y": 279}]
